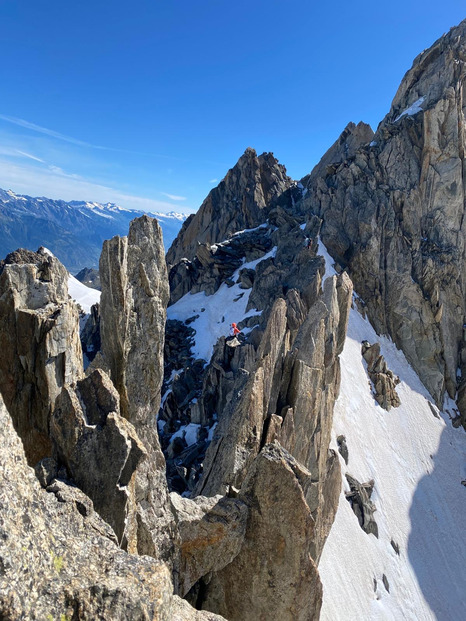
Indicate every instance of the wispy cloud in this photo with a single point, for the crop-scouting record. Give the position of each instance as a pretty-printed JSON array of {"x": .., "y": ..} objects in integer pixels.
[
  {"x": 51, "y": 133},
  {"x": 47, "y": 132},
  {"x": 53, "y": 182},
  {"x": 30, "y": 156},
  {"x": 213, "y": 181},
  {"x": 174, "y": 197}
]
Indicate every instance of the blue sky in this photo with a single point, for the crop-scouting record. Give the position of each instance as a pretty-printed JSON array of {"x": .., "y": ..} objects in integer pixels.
[{"x": 149, "y": 103}]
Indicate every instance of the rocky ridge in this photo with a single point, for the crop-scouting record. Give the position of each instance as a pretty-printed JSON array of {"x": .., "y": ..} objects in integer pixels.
[
  {"x": 100, "y": 451},
  {"x": 237, "y": 203}
]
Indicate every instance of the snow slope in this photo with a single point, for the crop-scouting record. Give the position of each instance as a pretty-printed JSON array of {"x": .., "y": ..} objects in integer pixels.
[
  {"x": 417, "y": 462},
  {"x": 215, "y": 312},
  {"x": 84, "y": 296}
]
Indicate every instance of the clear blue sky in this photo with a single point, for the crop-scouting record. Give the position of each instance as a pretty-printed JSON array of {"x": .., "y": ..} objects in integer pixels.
[{"x": 148, "y": 103}]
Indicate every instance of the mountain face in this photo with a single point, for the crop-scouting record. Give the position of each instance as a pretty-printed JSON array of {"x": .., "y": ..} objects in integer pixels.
[
  {"x": 393, "y": 216},
  {"x": 73, "y": 231},
  {"x": 309, "y": 466}
]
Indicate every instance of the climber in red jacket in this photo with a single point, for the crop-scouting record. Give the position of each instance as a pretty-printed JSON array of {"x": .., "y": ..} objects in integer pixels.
[{"x": 234, "y": 331}]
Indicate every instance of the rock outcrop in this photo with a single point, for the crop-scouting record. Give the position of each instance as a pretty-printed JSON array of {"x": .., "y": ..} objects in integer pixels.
[
  {"x": 393, "y": 215},
  {"x": 274, "y": 574},
  {"x": 278, "y": 386},
  {"x": 41, "y": 350},
  {"x": 350, "y": 140},
  {"x": 238, "y": 202},
  {"x": 211, "y": 532},
  {"x": 58, "y": 558},
  {"x": 133, "y": 312},
  {"x": 383, "y": 380},
  {"x": 359, "y": 497},
  {"x": 99, "y": 448}
]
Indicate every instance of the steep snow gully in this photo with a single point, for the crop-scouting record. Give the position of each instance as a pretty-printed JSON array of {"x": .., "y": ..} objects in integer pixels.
[{"x": 417, "y": 461}]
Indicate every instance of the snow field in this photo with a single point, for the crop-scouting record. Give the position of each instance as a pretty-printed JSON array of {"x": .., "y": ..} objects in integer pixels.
[{"x": 416, "y": 461}]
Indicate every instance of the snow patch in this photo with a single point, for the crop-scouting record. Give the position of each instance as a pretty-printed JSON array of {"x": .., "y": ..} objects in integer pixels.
[
  {"x": 215, "y": 312},
  {"x": 84, "y": 296},
  {"x": 264, "y": 225},
  {"x": 412, "y": 110},
  {"x": 189, "y": 432}
]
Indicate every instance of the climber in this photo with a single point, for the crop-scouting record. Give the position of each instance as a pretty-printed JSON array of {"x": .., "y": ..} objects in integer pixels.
[
  {"x": 235, "y": 337},
  {"x": 234, "y": 331}
]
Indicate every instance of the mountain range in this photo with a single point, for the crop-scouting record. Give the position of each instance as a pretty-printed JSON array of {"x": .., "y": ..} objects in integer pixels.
[{"x": 74, "y": 231}]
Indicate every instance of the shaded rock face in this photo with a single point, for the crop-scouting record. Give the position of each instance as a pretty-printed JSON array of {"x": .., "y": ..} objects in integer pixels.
[
  {"x": 90, "y": 334},
  {"x": 58, "y": 557},
  {"x": 89, "y": 277},
  {"x": 383, "y": 380},
  {"x": 238, "y": 202},
  {"x": 41, "y": 351},
  {"x": 393, "y": 214},
  {"x": 273, "y": 575},
  {"x": 214, "y": 264},
  {"x": 99, "y": 448}
]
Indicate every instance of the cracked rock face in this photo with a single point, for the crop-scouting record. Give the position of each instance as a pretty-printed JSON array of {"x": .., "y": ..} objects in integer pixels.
[
  {"x": 100, "y": 449},
  {"x": 133, "y": 311},
  {"x": 393, "y": 214},
  {"x": 41, "y": 350},
  {"x": 58, "y": 558}
]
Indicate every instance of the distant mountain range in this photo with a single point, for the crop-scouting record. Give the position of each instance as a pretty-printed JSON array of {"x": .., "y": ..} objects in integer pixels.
[{"x": 74, "y": 231}]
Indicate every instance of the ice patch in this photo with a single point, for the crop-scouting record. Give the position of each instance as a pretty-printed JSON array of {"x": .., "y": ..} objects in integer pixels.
[{"x": 412, "y": 110}]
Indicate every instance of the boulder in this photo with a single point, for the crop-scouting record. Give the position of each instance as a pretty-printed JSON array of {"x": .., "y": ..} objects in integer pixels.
[{"x": 273, "y": 576}]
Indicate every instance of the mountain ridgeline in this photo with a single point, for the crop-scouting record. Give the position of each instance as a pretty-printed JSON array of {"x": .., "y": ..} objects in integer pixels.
[
  {"x": 74, "y": 231},
  {"x": 192, "y": 475}
]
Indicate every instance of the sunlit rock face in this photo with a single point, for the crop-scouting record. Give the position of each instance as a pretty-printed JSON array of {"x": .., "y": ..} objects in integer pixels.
[
  {"x": 133, "y": 311},
  {"x": 239, "y": 202},
  {"x": 41, "y": 350},
  {"x": 393, "y": 215}
]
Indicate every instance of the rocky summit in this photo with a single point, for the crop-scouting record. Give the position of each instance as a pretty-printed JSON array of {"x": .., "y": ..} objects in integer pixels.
[{"x": 271, "y": 419}]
